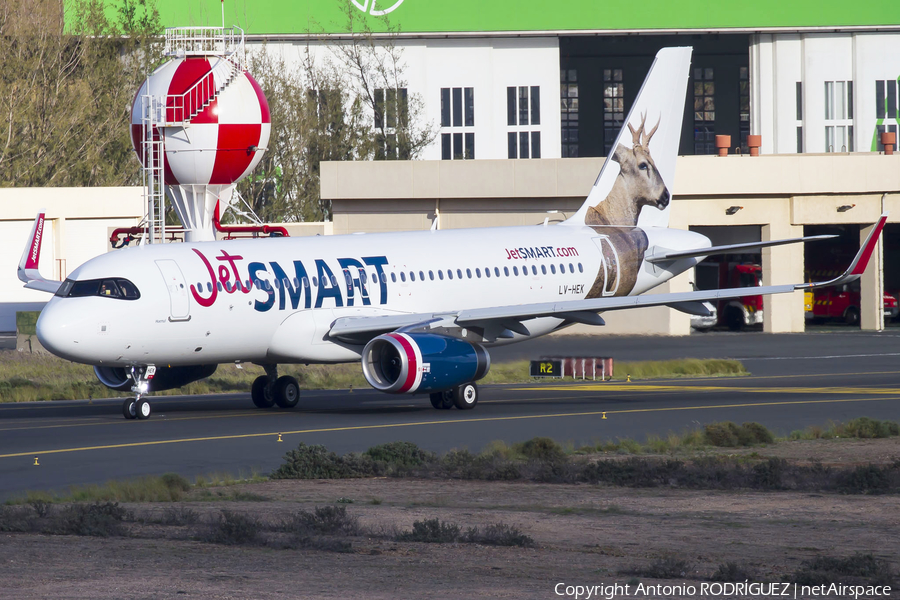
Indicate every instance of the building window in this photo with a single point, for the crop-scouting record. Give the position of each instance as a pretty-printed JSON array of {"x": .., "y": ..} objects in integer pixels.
[
  {"x": 391, "y": 110},
  {"x": 838, "y": 116},
  {"x": 568, "y": 102},
  {"x": 885, "y": 108},
  {"x": 886, "y": 99},
  {"x": 457, "y": 117},
  {"x": 704, "y": 111},
  {"x": 613, "y": 107},
  {"x": 744, "y": 99},
  {"x": 523, "y": 110}
]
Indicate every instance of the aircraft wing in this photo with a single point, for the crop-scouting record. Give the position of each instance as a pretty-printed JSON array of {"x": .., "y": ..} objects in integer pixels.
[
  {"x": 28, "y": 271},
  {"x": 659, "y": 256},
  {"x": 504, "y": 320}
]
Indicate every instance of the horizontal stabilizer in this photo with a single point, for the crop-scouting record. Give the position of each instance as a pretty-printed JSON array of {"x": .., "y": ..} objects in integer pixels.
[{"x": 660, "y": 256}]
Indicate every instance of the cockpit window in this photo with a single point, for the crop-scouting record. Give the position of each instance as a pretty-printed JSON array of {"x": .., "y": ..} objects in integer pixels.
[
  {"x": 128, "y": 290},
  {"x": 108, "y": 288}
]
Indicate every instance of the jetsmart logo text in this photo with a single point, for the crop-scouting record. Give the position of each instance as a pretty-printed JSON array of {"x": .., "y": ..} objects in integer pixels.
[{"x": 37, "y": 240}]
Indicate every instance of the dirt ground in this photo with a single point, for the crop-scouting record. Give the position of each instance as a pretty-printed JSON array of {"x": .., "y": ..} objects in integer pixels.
[{"x": 584, "y": 535}]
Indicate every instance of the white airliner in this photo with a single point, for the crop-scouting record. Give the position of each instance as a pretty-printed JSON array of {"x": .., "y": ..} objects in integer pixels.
[{"x": 418, "y": 309}]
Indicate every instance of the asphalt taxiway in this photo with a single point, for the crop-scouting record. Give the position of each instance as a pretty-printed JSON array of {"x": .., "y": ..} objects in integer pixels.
[{"x": 797, "y": 381}]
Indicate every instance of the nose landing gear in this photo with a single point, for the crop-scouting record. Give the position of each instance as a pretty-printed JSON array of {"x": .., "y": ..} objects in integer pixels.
[{"x": 138, "y": 407}]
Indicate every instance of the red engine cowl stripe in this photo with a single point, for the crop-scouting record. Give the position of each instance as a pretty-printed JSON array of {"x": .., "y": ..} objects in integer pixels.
[{"x": 411, "y": 359}]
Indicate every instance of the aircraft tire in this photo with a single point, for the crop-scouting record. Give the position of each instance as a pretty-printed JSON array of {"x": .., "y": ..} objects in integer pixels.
[
  {"x": 465, "y": 396},
  {"x": 258, "y": 393},
  {"x": 442, "y": 400},
  {"x": 128, "y": 409},
  {"x": 286, "y": 392},
  {"x": 142, "y": 409},
  {"x": 734, "y": 318}
]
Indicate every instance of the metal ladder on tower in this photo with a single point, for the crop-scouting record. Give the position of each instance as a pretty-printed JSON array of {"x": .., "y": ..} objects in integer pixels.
[
  {"x": 184, "y": 107},
  {"x": 153, "y": 172}
]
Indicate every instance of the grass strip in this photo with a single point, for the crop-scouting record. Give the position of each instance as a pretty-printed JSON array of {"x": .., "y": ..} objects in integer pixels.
[
  {"x": 27, "y": 377},
  {"x": 677, "y": 460}
]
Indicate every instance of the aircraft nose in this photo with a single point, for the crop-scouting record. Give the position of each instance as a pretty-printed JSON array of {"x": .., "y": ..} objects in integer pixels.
[{"x": 56, "y": 330}]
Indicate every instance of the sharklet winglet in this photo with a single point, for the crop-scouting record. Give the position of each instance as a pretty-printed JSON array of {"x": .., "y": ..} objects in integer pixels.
[
  {"x": 859, "y": 263},
  {"x": 29, "y": 265}
]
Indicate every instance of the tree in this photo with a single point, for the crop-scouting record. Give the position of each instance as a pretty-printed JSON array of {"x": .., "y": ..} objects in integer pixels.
[
  {"x": 377, "y": 70},
  {"x": 66, "y": 85},
  {"x": 315, "y": 117},
  {"x": 343, "y": 100}
]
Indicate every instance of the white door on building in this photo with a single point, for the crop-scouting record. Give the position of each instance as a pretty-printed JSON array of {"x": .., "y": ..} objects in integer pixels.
[{"x": 180, "y": 307}]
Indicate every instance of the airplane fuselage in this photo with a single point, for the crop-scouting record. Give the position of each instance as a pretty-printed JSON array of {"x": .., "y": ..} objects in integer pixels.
[{"x": 274, "y": 300}]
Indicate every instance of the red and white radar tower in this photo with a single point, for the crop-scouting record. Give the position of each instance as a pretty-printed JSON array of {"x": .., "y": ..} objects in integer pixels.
[{"x": 199, "y": 124}]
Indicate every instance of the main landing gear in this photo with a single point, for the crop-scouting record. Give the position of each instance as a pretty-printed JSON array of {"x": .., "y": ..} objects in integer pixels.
[
  {"x": 463, "y": 397},
  {"x": 138, "y": 407},
  {"x": 270, "y": 389}
]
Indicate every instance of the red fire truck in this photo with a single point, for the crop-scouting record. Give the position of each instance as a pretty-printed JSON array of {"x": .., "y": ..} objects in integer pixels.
[
  {"x": 736, "y": 313},
  {"x": 833, "y": 303},
  {"x": 842, "y": 303}
]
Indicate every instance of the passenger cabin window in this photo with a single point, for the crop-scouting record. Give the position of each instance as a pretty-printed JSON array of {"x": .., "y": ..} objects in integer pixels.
[{"x": 107, "y": 288}]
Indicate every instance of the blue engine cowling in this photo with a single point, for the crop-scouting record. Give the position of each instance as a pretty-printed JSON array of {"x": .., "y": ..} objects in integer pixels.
[
  {"x": 166, "y": 378},
  {"x": 403, "y": 363}
]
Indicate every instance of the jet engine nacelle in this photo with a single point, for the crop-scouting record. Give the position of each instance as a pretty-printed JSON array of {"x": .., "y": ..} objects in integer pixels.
[
  {"x": 402, "y": 363},
  {"x": 166, "y": 378}
]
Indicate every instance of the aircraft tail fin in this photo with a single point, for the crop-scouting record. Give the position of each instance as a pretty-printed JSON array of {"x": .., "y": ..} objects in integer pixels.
[
  {"x": 635, "y": 183},
  {"x": 28, "y": 270}
]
